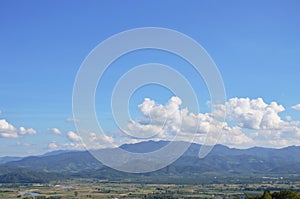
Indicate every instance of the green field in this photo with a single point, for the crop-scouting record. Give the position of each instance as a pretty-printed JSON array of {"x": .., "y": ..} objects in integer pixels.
[{"x": 92, "y": 188}]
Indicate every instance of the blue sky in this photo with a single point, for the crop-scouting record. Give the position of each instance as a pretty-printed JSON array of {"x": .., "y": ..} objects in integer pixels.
[{"x": 255, "y": 45}]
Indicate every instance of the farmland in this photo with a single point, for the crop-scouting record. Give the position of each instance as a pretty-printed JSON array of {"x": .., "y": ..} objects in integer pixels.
[{"x": 92, "y": 188}]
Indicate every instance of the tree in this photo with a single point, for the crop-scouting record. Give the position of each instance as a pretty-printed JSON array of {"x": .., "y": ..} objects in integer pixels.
[
  {"x": 286, "y": 194},
  {"x": 266, "y": 195}
]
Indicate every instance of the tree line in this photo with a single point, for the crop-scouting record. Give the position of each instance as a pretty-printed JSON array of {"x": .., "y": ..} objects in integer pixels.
[{"x": 285, "y": 194}]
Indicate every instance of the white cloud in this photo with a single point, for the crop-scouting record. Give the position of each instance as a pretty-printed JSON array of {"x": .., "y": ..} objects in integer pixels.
[
  {"x": 66, "y": 146},
  {"x": 93, "y": 137},
  {"x": 73, "y": 136},
  {"x": 55, "y": 131},
  {"x": 234, "y": 136},
  {"x": 7, "y": 130},
  {"x": 92, "y": 140},
  {"x": 250, "y": 122},
  {"x": 23, "y": 131},
  {"x": 52, "y": 145},
  {"x": 167, "y": 121},
  {"x": 254, "y": 114},
  {"x": 157, "y": 119},
  {"x": 73, "y": 146},
  {"x": 70, "y": 119},
  {"x": 266, "y": 126},
  {"x": 296, "y": 107}
]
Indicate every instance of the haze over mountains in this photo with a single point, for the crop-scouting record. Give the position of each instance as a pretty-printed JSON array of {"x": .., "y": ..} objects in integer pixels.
[{"x": 221, "y": 160}]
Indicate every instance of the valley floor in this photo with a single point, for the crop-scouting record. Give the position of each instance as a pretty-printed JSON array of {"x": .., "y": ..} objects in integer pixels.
[{"x": 91, "y": 188}]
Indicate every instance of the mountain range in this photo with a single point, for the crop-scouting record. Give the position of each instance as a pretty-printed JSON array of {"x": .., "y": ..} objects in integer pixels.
[{"x": 222, "y": 160}]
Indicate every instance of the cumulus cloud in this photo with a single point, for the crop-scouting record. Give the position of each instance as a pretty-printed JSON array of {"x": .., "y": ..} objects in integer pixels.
[
  {"x": 157, "y": 118},
  {"x": 255, "y": 113},
  {"x": 7, "y": 130},
  {"x": 250, "y": 122},
  {"x": 23, "y": 131},
  {"x": 263, "y": 121},
  {"x": 296, "y": 107},
  {"x": 169, "y": 120},
  {"x": 55, "y": 131},
  {"x": 73, "y": 136}
]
